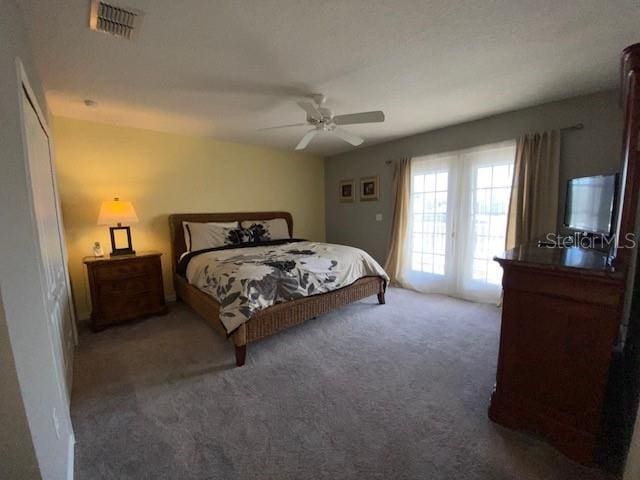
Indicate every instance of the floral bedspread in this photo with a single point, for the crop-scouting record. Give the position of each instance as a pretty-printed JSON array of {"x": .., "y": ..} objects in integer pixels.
[{"x": 246, "y": 280}]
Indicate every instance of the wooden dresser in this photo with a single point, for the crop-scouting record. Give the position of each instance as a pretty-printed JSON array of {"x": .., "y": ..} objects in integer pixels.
[
  {"x": 560, "y": 318},
  {"x": 561, "y": 315},
  {"x": 125, "y": 288}
]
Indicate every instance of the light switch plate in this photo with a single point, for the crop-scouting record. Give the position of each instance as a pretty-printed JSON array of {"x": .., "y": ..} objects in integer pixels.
[{"x": 378, "y": 217}]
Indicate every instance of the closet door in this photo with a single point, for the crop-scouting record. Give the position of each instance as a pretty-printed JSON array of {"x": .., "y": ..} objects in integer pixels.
[{"x": 53, "y": 256}]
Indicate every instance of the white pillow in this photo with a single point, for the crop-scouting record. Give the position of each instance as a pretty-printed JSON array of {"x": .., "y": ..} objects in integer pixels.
[
  {"x": 275, "y": 229},
  {"x": 198, "y": 236}
]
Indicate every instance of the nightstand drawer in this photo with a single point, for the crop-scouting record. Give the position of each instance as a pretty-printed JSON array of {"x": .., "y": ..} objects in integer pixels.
[
  {"x": 121, "y": 270},
  {"x": 129, "y": 286},
  {"x": 124, "y": 307}
]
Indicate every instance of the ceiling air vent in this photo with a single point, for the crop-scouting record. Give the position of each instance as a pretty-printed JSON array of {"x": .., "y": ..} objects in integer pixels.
[{"x": 116, "y": 20}]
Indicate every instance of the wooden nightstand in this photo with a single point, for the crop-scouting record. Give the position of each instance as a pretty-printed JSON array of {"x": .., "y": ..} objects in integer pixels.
[{"x": 125, "y": 288}]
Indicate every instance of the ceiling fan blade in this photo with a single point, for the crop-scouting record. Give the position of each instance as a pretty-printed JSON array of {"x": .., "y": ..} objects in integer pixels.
[
  {"x": 306, "y": 139},
  {"x": 347, "y": 137},
  {"x": 310, "y": 108},
  {"x": 363, "y": 117},
  {"x": 285, "y": 126}
]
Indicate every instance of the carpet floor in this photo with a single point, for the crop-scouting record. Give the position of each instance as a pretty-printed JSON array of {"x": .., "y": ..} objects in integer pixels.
[{"x": 395, "y": 391}]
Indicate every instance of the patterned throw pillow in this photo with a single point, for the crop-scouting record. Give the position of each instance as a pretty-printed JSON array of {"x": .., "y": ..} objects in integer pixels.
[
  {"x": 254, "y": 232},
  {"x": 261, "y": 230},
  {"x": 238, "y": 235},
  {"x": 258, "y": 232}
]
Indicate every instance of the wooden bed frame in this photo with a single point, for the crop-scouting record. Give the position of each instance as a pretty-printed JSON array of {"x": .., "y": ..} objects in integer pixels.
[{"x": 272, "y": 319}]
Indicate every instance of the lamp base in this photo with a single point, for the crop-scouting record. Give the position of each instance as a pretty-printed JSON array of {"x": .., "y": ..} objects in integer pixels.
[
  {"x": 126, "y": 250},
  {"x": 122, "y": 251}
]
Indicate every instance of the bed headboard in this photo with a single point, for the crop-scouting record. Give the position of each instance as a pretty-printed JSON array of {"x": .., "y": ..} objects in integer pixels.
[{"x": 178, "y": 246}]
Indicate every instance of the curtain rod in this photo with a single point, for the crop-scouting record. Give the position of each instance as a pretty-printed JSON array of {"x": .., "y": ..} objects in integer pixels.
[{"x": 577, "y": 126}]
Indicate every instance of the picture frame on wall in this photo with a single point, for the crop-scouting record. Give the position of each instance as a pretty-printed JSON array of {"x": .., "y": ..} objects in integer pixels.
[
  {"x": 369, "y": 188},
  {"x": 347, "y": 190}
]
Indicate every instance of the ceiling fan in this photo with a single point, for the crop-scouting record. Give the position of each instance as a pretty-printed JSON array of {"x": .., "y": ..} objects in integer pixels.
[{"x": 323, "y": 120}]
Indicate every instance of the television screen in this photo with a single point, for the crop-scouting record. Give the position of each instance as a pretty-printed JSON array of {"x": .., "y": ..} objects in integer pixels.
[{"x": 590, "y": 204}]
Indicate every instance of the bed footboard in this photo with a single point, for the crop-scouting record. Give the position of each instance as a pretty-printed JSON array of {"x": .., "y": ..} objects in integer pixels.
[{"x": 280, "y": 316}]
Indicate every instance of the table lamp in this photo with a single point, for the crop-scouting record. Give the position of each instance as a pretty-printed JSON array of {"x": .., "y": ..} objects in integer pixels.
[{"x": 117, "y": 212}]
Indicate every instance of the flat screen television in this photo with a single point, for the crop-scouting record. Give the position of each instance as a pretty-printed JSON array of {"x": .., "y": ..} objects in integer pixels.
[{"x": 590, "y": 204}]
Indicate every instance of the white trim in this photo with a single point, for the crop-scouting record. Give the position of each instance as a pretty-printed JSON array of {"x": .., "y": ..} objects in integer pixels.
[
  {"x": 23, "y": 80},
  {"x": 71, "y": 455}
]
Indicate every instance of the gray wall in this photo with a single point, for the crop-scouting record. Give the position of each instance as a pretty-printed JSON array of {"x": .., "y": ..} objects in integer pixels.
[
  {"x": 29, "y": 445},
  {"x": 594, "y": 150},
  {"x": 17, "y": 456}
]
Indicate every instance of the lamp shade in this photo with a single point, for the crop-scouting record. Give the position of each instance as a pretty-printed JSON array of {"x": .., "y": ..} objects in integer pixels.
[{"x": 113, "y": 212}]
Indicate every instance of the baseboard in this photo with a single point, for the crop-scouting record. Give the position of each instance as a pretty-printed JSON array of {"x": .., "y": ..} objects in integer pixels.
[{"x": 71, "y": 457}]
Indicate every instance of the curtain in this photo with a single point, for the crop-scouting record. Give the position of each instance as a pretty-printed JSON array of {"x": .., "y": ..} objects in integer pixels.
[
  {"x": 533, "y": 206},
  {"x": 400, "y": 221}
]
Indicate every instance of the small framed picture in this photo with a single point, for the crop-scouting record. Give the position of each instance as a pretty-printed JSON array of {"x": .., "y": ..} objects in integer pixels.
[
  {"x": 369, "y": 188},
  {"x": 346, "y": 192}
]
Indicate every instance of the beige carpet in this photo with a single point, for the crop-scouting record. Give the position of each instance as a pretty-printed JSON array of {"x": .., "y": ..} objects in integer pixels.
[{"x": 398, "y": 391}]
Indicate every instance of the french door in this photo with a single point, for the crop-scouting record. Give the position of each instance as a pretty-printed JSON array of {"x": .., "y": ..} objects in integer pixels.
[
  {"x": 432, "y": 223},
  {"x": 458, "y": 221}
]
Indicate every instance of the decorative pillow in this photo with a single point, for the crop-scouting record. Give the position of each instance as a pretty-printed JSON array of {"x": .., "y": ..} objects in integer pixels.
[
  {"x": 262, "y": 230},
  {"x": 238, "y": 235},
  {"x": 198, "y": 236}
]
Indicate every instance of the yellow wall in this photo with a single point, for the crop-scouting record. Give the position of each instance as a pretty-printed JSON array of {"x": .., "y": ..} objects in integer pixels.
[{"x": 164, "y": 173}]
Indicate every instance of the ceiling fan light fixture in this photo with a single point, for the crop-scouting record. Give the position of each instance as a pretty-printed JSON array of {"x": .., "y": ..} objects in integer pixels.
[{"x": 323, "y": 120}]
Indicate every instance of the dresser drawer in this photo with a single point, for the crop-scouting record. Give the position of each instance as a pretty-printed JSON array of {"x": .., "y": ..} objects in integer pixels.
[{"x": 122, "y": 270}]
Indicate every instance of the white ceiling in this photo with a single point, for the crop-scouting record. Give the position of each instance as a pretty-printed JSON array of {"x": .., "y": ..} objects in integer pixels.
[{"x": 226, "y": 68}]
